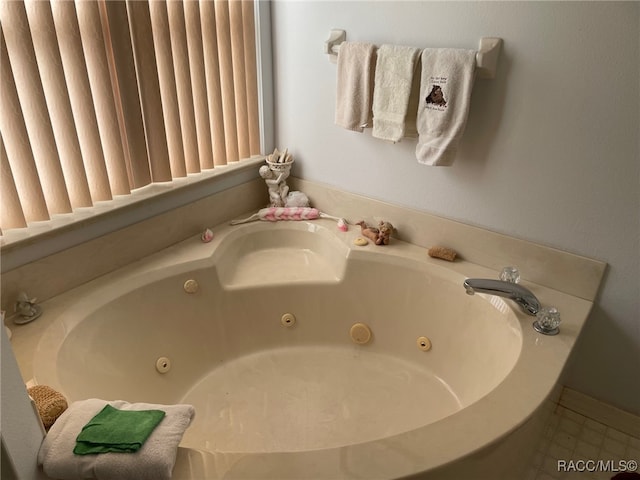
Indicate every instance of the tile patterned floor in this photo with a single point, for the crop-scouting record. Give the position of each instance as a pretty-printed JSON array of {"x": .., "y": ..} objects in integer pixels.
[{"x": 572, "y": 445}]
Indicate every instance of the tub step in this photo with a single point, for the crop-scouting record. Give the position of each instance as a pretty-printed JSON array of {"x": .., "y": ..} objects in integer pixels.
[{"x": 265, "y": 267}]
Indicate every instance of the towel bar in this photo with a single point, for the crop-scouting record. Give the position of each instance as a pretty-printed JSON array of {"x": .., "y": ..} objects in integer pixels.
[{"x": 486, "y": 57}]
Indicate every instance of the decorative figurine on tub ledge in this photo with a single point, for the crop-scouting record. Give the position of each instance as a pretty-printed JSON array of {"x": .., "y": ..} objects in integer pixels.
[
  {"x": 278, "y": 188},
  {"x": 380, "y": 235},
  {"x": 275, "y": 174},
  {"x": 285, "y": 205}
]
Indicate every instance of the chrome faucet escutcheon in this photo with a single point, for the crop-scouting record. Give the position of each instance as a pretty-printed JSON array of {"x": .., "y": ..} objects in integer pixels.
[{"x": 513, "y": 291}]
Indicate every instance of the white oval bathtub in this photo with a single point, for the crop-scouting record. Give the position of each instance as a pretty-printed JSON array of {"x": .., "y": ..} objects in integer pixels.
[{"x": 302, "y": 399}]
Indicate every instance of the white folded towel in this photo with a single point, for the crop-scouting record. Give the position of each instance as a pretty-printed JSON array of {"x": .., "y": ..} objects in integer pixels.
[
  {"x": 395, "y": 69},
  {"x": 446, "y": 84},
  {"x": 356, "y": 64},
  {"x": 154, "y": 460}
]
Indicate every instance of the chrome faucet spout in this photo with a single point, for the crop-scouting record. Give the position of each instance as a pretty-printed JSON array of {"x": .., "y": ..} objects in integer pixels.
[{"x": 519, "y": 294}]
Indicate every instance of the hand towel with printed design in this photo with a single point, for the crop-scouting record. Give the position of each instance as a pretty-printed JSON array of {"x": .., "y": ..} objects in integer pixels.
[{"x": 445, "y": 93}]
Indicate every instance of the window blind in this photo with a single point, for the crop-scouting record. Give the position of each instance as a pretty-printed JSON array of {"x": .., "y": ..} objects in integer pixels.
[{"x": 103, "y": 97}]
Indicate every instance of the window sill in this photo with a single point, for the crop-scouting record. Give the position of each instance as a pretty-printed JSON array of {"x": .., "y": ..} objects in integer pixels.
[{"x": 39, "y": 239}]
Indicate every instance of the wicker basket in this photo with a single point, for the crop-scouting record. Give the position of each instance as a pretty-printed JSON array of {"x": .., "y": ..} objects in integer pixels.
[
  {"x": 50, "y": 403},
  {"x": 279, "y": 167}
]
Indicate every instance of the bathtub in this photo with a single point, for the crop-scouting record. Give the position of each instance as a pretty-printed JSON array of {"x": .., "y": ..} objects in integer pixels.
[{"x": 306, "y": 356}]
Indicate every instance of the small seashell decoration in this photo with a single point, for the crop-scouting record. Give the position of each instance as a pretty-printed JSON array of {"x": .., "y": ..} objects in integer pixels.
[{"x": 206, "y": 236}]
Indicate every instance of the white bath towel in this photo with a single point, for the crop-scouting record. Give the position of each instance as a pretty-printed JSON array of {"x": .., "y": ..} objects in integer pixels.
[
  {"x": 356, "y": 64},
  {"x": 445, "y": 92},
  {"x": 154, "y": 460},
  {"x": 395, "y": 69}
]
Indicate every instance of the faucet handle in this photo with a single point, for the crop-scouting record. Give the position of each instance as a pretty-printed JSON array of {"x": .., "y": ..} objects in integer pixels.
[
  {"x": 548, "y": 321},
  {"x": 510, "y": 274}
]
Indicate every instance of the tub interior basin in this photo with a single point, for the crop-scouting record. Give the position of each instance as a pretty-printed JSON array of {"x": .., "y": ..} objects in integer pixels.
[
  {"x": 261, "y": 385},
  {"x": 313, "y": 397}
]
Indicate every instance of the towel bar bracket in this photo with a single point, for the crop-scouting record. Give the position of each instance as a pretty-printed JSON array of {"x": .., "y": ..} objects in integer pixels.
[
  {"x": 336, "y": 37},
  {"x": 486, "y": 57}
]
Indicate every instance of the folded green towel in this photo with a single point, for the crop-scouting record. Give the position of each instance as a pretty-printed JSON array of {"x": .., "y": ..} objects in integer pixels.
[{"x": 114, "y": 430}]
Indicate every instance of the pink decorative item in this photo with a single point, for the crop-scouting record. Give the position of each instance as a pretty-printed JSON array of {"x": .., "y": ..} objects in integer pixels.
[
  {"x": 342, "y": 225},
  {"x": 275, "y": 214},
  {"x": 206, "y": 236}
]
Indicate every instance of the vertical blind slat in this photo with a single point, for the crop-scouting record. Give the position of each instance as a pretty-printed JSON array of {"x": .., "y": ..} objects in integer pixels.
[
  {"x": 58, "y": 104},
  {"x": 95, "y": 55},
  {"x": 180, "y": 52},
  {"x": 223, "y": 31},
  {"x": 193, "y": 26},
  {"x": 168, "y": 92},
  {"x": 251, "y": 75},
  {"x": 11, "y": 215},
  {"x": 86, "y": 123},
  {"x": 239, "y": 78},
  {"x": 182, "y": 73},
  {"x": 149, "y": 85},
  {"x": 115, "y": 21},
  {"x": 34, "y": 107},
  {"x": 212, "y": 75},
  {"x": 18, "y": 147}
]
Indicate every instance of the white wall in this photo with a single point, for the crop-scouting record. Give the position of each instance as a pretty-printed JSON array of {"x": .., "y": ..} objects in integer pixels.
[
  {"x": 22, "y": 431},
  {"x": 550, "y": 154}
]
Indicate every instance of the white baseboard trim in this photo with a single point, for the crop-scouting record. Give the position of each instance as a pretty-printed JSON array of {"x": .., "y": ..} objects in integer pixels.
[{"x": 600, "y": 412}]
